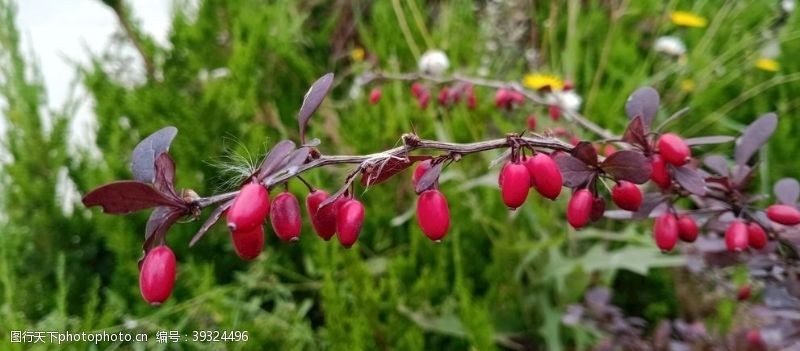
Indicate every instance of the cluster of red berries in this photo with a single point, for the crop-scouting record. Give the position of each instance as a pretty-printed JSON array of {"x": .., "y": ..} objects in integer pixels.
[
  {"x": 251, "y": 207},
  {"x": 448, "y": 95},
  {"x": 539, "y": 171},
  {"x": 672, "y": 150}
]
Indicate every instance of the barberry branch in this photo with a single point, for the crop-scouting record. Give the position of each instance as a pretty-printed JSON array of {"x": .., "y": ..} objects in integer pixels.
[
  {"x": 531, "y": 95},
  {"x": 411, "y": 143}
]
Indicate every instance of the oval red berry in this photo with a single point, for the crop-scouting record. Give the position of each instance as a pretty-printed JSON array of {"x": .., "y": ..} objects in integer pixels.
[
  {"x": 375, "y": 96},
  {"x": 579, "y": 208},
  {"x": 322, "y": 220},
  {"x": 665, "y": 231},
  {"x": 736, "y": 236},
  {"x": 516, "y": 184},
  {"x": 248, "y": 243},
  {"x": 627, "y": 196},
  {"x": 660, "y": 174},
  {"x": 756, "y": 236},
  {"x": 349, "y": 218},
  {"x": 687, "y": 228},
  {"x": 784, "y": 214},
  {"x": 157, "y": 276},
  {"x": 545, "y": 175},
  {"x": 285, "y": 216},
  {"x": 673, "y": 149},
  {"x": 433, "y": 214},
  {"x": 249, "y": 208}
]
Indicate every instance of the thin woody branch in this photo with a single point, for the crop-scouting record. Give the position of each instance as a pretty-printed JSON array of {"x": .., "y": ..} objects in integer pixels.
[{"x": 401, "y": 151}]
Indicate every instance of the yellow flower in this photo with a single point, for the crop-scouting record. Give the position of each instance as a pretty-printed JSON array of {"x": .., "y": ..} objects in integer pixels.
[
  {"x": 539, "y": 81},
  {"x": 687, "y": 19},
  {"x": 357, "y": 54},
  {"x": 768, "y": 64},
  {"x": 687, "y": 85}
]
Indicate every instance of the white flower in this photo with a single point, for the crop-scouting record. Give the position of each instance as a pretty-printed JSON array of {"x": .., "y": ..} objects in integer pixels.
[
  {"x": 434, "y": 62},
  {"x": 670, "y": 45},
  {"x": 771, "y": 49},
  {"x": 787, "y": 6},
  {"x": 567, "y": 100}
]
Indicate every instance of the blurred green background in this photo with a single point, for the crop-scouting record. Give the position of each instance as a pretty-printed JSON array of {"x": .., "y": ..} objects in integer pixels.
[{"x": 499, "y": 280}]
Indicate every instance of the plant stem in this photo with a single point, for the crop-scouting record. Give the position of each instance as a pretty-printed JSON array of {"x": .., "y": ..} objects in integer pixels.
[{"x": 412, "y": 143}]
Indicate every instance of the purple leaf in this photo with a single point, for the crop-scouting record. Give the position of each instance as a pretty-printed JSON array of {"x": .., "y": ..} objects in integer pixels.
[
  {"x": 274, "y": 158},
  {"x": 585, "y": 152},
  {"x": 628, "y": 165},
  {"x": 650, "y": 202},
  {"x": 717, "y": 163},
  {"x": 690, "y": 179},
  {"x": 787, "y": 191},
  {"x": 380, "y": 173},
  {"x": 635, "y": 133},
  {"x": 127, "y": 196},
  {"x": 210, "y": 221},
  {"x": 709, "y": 140},
  {"x": 643, "y": 102},
  {"x": 161, "y": 219},
  {"x": 754, "y": 137},
  {"x": 312, "y": 100},
  {"x": 741, "y": 175},
  {"x": 165, "y": 175},
  {"x": 575, "y": 172},
  {"x": 294, "y": 160},
  {"x": 145, "y": 153},
  {"x": 430, "y": 177}
]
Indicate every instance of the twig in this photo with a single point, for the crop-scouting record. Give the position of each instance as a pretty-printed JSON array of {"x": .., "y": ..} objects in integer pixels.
[{"x": 411, "y": 144}]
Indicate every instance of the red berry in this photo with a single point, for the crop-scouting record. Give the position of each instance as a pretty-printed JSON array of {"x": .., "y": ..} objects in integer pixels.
[
  {"x": 554, "y": 111},
  {"x": 756, "y": 237},
  {"x": 472, "y": 101},
  {"x": 422, "y": 167},
  {"x": 755, "y": 340},
  {"x": 784, "y": 214},
  {"x": 579, "y": 208},
  {"x": 502, "y": 98},
  {"x": 249, "y": 208},
  {"x": 433, "y": 214},
  {"x": 598, "y": 208},
  {"x": 444, "y": 96},
  {"x": 568, "y": 85},
  {"x": 665, "y": 231},
  {"x": 423, "y": 99},
  {"x": 349, "y": 218},
  {"x": 248, "y": 243},
  {"x": 545, "y": 175},
  {"x": 375, "y": 96},
  {"x": 417, "y": 89},
  {"x": 531, "y": 122},
  {"x": 743, "y": 293},
  {"x": 285, "y": 217},
  {"x": 660, "y": 174},
  {"x": 626, "y": 196},
  {"x": 516, "y": 181},
  {"x": 736, "y": 236},
  {"x": 687, "y": 228},
  {"x": 674, "y": 149},
  {"x": 157, "y": 275},
  {"x": 323, "y": 220}
]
